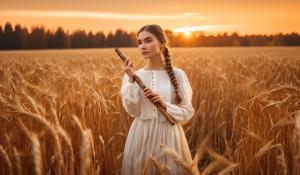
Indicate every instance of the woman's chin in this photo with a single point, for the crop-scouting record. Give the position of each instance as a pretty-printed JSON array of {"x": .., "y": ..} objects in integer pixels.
[{"x": 146, "y": 56}]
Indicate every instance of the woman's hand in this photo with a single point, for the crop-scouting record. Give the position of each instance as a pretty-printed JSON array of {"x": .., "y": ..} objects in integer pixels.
[
  {"x": 154, "y": 97},
  {"x": 128, "y": 68}
]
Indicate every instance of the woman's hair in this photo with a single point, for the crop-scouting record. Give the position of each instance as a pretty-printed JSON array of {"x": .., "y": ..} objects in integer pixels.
[{"x": 158, "y": 32}]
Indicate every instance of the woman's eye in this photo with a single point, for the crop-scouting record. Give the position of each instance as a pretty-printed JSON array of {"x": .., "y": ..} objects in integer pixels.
[{"x": 147, "y": 41}]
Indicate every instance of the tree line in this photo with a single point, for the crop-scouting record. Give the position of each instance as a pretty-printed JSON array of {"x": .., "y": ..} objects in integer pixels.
[{"x": 18, "y": 37}]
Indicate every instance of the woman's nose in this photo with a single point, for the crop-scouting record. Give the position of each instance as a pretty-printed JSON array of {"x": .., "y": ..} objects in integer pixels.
[{"x": 143, "y": 46}]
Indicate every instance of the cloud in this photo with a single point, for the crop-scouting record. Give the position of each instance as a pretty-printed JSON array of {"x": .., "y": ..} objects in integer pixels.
[
  {"x": 192, "y": 14},
  {"x": 216, "y": 27},
  {"x": 97, "y": 15}
]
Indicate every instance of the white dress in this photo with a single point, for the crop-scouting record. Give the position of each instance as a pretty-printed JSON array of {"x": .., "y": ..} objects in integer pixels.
[{"x": 150, "y": 128}]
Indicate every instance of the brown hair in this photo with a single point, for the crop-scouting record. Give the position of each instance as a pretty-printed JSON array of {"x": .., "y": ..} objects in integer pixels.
[{"x": 158, "y": 32}]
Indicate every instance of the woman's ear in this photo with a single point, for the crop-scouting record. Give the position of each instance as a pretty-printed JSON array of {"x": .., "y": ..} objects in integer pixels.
[{"x": 161, "y": 47}]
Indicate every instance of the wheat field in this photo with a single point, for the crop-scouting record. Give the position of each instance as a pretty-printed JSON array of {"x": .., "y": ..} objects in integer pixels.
[{"x": 61, "y": 111}]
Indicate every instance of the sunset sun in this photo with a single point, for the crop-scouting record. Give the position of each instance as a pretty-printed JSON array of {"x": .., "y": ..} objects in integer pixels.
[{"x": 187, "y": 33}]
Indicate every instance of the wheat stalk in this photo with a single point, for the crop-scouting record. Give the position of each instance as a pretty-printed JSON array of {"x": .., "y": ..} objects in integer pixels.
[
  {"x": 18, "y": 161},
  {"x": 85, "y": 152},
  {"x": 6, "y": 159}
]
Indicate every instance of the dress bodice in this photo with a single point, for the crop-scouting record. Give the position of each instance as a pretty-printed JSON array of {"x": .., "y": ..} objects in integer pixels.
[{"x": 137, "y": 105}]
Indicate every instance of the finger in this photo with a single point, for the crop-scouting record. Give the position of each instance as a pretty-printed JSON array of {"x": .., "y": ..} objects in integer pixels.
[
  {"x": 156, "y": 101},
  {"x": 154, "y": 98},
  {"x": 149, "y": 95},
  {"x": 128, "y": 64},
  {"x": 154, "y": 93},
  {"x": 131, "y": 64},
  {"x": 147, "y": 90}
]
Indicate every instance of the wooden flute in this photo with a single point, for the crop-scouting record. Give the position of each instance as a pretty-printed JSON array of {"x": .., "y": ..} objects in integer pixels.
[{"x": 168, "y": 117}]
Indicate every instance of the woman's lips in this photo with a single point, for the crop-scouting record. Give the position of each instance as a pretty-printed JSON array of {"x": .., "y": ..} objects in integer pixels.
[{"x": 144, "y": 53}]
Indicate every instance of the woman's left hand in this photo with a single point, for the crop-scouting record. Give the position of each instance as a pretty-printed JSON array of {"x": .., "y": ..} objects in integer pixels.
[{"x": 154, "y": 97}]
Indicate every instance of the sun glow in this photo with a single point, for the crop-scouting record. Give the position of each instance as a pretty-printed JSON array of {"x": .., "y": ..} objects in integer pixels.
[
  {"x": 188, "y": 30},
  {"x": 187, "y": 33}
]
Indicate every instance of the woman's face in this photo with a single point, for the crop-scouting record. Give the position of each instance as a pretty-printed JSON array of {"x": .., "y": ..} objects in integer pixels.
[{"x": 148, "y": 44}]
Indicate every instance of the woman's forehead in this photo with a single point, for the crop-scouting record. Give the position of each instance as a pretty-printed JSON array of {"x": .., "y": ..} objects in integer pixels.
[{"x": 144, "y": 35}]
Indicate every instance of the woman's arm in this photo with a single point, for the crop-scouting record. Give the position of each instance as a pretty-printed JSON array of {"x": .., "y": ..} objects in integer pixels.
[
  {"x": 130, "y": 96},
  {"x": 185, "y": 110}
]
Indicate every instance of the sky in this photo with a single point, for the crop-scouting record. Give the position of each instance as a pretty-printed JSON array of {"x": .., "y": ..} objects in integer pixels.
[{"x": 214, "y": 16}]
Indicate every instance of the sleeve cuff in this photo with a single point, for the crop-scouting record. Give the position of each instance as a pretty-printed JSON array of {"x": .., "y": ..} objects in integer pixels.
[
  {"x": 182, "y": 114},
  {"x": 172, "y": 109}
]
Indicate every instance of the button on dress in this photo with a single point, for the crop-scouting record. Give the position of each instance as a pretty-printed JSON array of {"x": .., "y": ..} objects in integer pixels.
[{"x": 149, "y": 128}]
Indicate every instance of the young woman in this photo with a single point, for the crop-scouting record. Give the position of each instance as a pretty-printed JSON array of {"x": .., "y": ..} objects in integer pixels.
[{"x": 167, "y": 85}]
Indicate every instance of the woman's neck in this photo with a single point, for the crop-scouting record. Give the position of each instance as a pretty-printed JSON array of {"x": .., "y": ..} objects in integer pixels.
[{"x": 155, "y": 63}]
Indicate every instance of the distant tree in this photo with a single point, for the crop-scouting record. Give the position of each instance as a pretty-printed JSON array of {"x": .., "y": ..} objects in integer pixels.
[
  {"x": 245, "y": 41},
  {"x": 121, "y": 39},
  {"x": 49, "y": 39},
  {"x": 235, "y": 39},
  {"x": 133, "y": 39},
  {"x": 292, "y": 39},
  {"x": 91, "y": 40},
  {"x": 60, "y": 38},
  {"x": 21, "y": 36},
  {"x": 99, "y": 39},
  {"x": 1, "y": 38},
  {"x": 278, "y": 40},
  {"x": 39, "y": 38},
  {"x": 8, "y": 37},
  {"x": 79, "y": 39},
  {"x": 110, "y": 40}
]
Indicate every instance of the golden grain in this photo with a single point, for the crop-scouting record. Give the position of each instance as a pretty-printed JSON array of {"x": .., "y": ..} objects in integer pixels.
[{"x": 69, "y": 108}]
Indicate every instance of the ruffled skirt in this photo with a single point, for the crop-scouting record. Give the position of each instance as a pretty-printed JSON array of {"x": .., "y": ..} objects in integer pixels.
[{"x": 143, "y": 141}]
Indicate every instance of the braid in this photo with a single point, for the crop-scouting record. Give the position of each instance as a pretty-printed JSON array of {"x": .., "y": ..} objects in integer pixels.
[{"x": 170, "y": 71}]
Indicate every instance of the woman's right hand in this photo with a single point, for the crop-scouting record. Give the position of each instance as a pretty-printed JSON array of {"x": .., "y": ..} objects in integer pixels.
[{"x": 128, "y": 68}]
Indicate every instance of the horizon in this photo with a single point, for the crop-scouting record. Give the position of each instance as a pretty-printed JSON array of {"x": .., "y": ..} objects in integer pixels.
[{"x": 186, "y": 34}]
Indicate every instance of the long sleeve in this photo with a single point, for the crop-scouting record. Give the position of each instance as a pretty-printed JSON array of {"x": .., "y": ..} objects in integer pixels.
[
  {"x": 184, "y": 111},
  {"x": 130, "y": 97}
]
